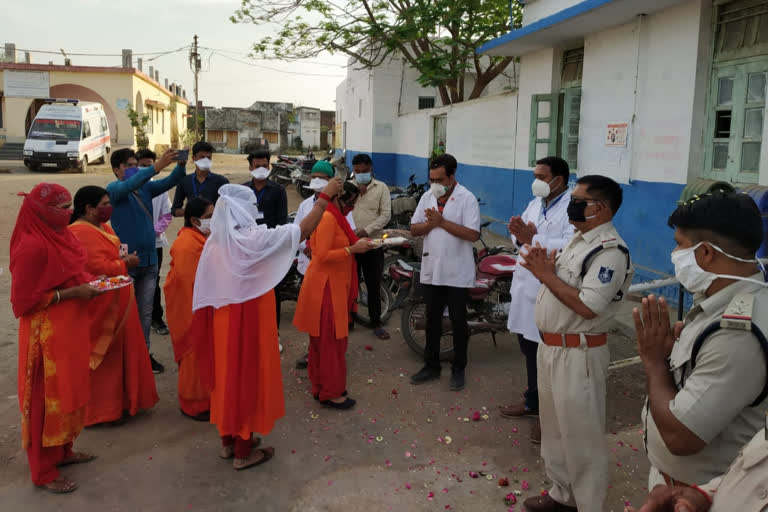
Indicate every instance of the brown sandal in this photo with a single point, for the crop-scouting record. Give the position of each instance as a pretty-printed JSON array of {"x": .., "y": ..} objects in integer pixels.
[
  {"x": 266, "y": 454},
  {"x": 76, "y": 458},
  {"x": 59, "y": 486},
  {"x": 227, "y": 452}
]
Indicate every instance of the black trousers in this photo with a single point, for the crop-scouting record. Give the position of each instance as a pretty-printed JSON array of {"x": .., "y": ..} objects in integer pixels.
[
  {"x": 157, "y": 305},
  {"x": 370, "y": 265},
  {"x": 530, "y": 349},
  {"x": 437, "y": 298},
  {"x": 277, "y": 304}
]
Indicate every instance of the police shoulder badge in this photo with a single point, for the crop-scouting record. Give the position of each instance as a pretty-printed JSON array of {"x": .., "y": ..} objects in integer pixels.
[{"x": 605, "y": 275}]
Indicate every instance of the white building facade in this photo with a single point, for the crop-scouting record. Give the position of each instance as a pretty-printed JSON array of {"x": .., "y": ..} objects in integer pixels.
[
  {"x": 667, "y": 97},
  {"x": 308, "y": 120}
]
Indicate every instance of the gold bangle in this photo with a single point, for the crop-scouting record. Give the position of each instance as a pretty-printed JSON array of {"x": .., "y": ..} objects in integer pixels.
[
  {"x": 348, "y": 250},
  {"x": 58, "y": 297}
]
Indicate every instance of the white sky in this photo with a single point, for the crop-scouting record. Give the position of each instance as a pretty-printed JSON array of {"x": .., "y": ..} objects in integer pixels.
[{"x": 108, "y": 26}]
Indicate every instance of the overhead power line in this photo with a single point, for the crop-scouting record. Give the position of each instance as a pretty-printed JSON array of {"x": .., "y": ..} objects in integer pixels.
[
  {"x": 275, "y": 69},
  {"x": 158, "y": 54},
  {"x": 303, "y": 61}
]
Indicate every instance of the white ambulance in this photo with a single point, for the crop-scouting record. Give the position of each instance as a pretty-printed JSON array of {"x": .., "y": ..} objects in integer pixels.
[{"x": 67, "y": 134}]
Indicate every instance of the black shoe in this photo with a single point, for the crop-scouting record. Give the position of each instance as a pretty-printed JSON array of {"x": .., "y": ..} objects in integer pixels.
[
  {"x": 160, "y": 328},
  {"x": 302, "y": 362},
  {"x": 425, "y": 375},
  {"x": 156, "y": 367},
  {"x": 317, "y": 397},
  {"x": 346, "y": 404},
  {"x": 457, "y": 380},
  {"x": 203, "y": 416}
]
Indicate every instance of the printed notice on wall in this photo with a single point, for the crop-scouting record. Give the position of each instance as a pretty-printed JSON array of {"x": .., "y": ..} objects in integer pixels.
[
  {"x": 616, "y": 135},
  {"x": 26, "y": 84}
]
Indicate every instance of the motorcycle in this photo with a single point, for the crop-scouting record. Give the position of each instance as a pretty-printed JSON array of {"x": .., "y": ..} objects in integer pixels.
[
  {"x": 282, "y": 171},
  {"x": 405, "y": 202},
  {"x": 487, "y": 306}
]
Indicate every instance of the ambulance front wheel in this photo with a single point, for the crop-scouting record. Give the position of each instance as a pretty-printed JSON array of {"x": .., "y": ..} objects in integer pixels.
[{"x": 82, "y": 166}]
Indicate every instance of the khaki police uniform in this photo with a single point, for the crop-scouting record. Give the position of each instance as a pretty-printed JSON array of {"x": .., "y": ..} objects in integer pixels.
[
  {"x": 745, "y": 486},
  {"x": 714, "y": 399},
  {"x": 572, "y": 375}
]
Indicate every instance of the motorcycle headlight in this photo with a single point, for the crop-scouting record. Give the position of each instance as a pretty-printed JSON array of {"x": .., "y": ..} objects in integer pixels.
[
  {"x": 72, "y": 154},
  {"x": 28, "y": 152}
]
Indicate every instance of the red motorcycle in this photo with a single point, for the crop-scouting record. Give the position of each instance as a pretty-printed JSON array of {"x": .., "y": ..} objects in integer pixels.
[{"x": 487, "y": 308}]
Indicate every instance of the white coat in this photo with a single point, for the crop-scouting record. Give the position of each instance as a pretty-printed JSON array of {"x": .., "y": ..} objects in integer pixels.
[
  {"x": 553, "y": 232},
  {"x": 446, "y": 259}
]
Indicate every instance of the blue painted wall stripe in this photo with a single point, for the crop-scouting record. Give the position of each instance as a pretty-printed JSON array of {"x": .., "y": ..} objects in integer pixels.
[
  {"x": 641, "y": 221},
  {"x": 546, "y": 22}
]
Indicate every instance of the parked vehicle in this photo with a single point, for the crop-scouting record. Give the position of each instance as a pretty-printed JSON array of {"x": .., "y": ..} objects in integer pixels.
[
  {"x": 404, "y": 203},
  {"x": 487, "y": 307},
  {"x": 282, "y": 172},
  {"x": 67, "y": 134},
  {"x": 254, "y": 145}
]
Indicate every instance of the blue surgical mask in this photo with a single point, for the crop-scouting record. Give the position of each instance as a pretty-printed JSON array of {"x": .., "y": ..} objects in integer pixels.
[
  {"x": 129, "y": 172},
  {"x": 363, "y": 178}
]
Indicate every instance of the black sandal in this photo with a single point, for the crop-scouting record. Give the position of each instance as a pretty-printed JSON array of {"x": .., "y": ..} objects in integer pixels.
[{"x": 346, "y": 404}]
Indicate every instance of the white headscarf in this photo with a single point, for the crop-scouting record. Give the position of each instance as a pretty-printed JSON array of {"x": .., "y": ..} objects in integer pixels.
[{"x": 241, "y": 260}]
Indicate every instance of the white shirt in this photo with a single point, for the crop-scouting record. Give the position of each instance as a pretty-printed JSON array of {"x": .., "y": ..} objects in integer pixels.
[
  {"x": 304, "y": 208},
  {"x": 553, "y": 232},
  {"x": 161, "y": 205},
  {"x": 448, "y": 260}
]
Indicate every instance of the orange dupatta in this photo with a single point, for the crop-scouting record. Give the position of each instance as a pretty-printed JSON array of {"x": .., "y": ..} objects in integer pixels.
[
  {"x": 111, "y": 309},
  {"x": 178, "y": 288}
]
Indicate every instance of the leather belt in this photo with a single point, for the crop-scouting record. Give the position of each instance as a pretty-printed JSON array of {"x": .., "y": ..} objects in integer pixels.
[
  {"x": 573, "y": 340},
  {"x": 671, "y": 482}
]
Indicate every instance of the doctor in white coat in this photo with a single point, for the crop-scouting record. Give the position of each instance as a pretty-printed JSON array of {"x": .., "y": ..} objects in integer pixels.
[{"x": 544, "y": 221}]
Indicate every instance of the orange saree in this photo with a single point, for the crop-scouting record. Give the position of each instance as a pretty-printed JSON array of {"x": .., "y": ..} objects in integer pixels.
[
  {"x": 121, "y": 375},
  {"x": 239, "y": 362},
  {"x": 194, "y": 399}
]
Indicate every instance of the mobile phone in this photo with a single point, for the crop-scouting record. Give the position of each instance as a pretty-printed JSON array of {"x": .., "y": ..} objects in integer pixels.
[
  {"x": 182, "y": 156},
  {"x": 123, "y": 250}
]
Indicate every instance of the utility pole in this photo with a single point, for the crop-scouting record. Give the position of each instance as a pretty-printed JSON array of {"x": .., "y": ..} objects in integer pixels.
[{"x": 194, "y": 62}]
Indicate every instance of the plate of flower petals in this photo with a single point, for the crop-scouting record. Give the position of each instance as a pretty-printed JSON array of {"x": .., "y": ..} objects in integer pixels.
[{"x": 111, "y": 283}]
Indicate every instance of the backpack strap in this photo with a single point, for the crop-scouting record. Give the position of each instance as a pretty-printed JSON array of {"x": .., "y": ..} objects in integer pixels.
[
  {"x": 738, "y": 315},
  {"x": 607, "y": 244}
]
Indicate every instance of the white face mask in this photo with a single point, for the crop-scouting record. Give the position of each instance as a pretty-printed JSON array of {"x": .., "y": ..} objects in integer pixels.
[
  {"x": 438, "y": 190},
  {"x": 317, "y": 184},
  {"x": 205, "y": 226},
  {"x": 260, "y": 173},
  {"x": 694, "y": 278},
  {"x": 541, "y": 188},
  {"x": 204, "y": 164}
]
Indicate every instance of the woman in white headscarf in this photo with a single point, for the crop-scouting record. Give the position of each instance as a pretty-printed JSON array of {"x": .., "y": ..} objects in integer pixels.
[{"x": 234, "y": 323}]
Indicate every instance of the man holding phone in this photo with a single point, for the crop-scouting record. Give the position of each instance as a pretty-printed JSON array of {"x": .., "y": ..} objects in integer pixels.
[
  {"x": 131, "y": 197},
  {"x": 202, "y": 183}
]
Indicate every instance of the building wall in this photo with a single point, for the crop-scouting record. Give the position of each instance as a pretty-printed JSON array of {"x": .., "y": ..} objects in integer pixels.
[
  {"x": 537, "y": 9},
  {"x": 112, "y": 88},
  {"x": 652, "y": 74},
  {"x": 159, "y": 139}
]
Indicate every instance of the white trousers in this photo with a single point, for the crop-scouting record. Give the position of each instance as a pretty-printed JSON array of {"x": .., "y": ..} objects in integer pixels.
[{"x": 572, "y": 412}]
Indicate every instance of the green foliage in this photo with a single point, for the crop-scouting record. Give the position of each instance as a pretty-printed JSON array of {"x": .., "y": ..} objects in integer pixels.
[
  {"x": 298, "y": 144},
  {"x": 139, "y": 122},
  {"x": 438, "y": 38},
  {"x": 187, "y": 139}
]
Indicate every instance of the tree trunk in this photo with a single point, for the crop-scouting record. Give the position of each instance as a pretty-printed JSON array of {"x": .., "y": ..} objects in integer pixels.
[
  {"x": 444, "y": 97},
  {"x": 483, "y": 79}
]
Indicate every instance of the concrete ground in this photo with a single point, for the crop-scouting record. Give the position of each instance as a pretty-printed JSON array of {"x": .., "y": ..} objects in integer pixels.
[{"x": 402, "y": 447}]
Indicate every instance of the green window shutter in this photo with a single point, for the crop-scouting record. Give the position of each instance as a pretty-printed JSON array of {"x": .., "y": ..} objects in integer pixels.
[
  {"x": 544, "y": 127},
  {"x": 735, "y": 121},
  {"x": 571, "y": 117}
]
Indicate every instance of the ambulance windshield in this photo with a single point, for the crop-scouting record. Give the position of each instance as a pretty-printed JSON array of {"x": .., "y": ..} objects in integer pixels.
[{"x": 55, "y": 129}]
